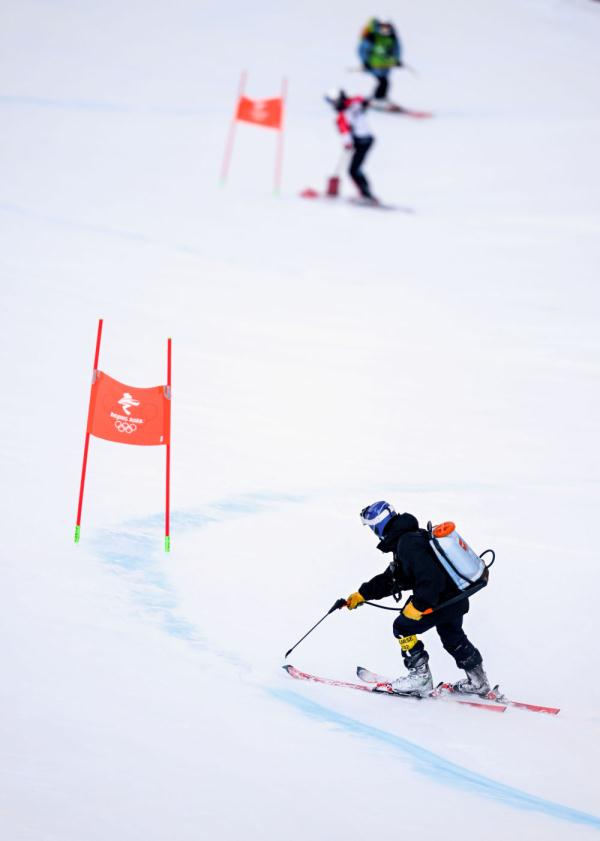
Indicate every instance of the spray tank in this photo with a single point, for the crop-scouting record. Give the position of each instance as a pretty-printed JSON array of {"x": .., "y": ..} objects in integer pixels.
[{"x": 462, "y": 564}]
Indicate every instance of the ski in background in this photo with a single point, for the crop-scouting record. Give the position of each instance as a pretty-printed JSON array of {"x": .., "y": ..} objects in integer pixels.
[
  {"x": 356, "y": 201},
  {"x": 375, "y": 204},
  {"x": 393, "y": 108}
]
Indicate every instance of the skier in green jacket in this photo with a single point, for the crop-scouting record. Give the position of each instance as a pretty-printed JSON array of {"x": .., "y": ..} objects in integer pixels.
[{"x": 380, "y": 50}]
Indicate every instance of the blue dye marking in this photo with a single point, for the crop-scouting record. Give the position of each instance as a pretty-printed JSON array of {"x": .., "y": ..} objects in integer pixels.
[
  {"x": 133, "y": 551},
  {"x": 251, "y": 503},
  {"x": 136, "y": 558},
  {"x": 436, "y": 767}
]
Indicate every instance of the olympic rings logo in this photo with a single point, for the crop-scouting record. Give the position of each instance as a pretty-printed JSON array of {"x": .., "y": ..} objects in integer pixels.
[{"x": 124, "y": 426}]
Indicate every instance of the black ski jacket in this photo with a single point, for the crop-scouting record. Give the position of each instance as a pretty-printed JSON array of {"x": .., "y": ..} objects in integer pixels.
[{"x": 413, "y": 567}]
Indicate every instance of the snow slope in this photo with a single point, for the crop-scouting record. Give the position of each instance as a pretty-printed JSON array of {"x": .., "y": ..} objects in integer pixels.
[{"x": 324, "y": 356}]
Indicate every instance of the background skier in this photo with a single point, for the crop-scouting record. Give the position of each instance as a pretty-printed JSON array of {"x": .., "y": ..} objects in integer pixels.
[
  {"x": 352, "y": 125},
  {"x": 415, "y": 567},
  {"x": 380, "y": 50}
]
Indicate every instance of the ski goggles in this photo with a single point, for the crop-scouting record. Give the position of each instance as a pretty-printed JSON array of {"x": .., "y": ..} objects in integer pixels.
[{"x": 371, "y": 516}]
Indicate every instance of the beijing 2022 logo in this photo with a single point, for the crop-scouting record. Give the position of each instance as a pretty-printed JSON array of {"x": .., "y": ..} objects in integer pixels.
[{"x": 125, "y": 423}]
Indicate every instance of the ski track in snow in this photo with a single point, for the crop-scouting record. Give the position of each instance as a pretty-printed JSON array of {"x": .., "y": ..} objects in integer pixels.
[{"x": 132, "y": 552}]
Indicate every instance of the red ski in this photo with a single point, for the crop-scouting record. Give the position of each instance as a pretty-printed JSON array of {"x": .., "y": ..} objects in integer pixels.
[
  {"x": 496, "y": 696},
  {"x": 384, "y": 688},
  {"x": 393, "y": 108}
]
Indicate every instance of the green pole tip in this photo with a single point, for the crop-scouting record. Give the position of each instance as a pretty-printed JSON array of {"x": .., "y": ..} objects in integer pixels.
[
  {"x": 77, "y": 533},
  {"x": 167, "y": 542}
]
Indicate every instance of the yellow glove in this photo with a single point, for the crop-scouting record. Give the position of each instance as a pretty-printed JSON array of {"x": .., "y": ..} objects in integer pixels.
[
  {"x": 411, "y": 612},
  {"x": 354, "y": 601}
]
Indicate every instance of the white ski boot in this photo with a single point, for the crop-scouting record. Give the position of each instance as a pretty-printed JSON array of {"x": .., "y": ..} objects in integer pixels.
[
  {"x": 418, "y": 682},
  {"x": 475, "y": 683}
]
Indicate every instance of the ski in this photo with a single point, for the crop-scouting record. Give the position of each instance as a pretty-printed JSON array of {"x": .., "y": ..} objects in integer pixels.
[
  {"x": 310, "y": 193},
  {"x": 384, "y": 688},
  {"x": 296, "y": 673},
  {"x": 378, "y": 205},
  {"x": 393, "y": 108},
  {"x": 496, "y": 696}
]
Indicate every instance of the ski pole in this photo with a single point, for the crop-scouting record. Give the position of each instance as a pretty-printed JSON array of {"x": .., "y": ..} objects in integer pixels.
[
  {"x": 333, "y": 182},
  {"x": 345, "y": 154},
  {"x": 340, "y": 603},
  {"x": 409, "y": 68}
]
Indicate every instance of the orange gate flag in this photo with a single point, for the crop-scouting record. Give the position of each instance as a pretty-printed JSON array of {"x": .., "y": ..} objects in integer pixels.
[
  {"x": 268, "y": 113},
  {"x": 129, "y": 415},
  {"x": 262, "y": 112}
]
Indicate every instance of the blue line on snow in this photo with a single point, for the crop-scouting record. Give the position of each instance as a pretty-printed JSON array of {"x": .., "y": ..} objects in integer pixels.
[
  {"x": 136, "y": 557},
  {"x": 434, "y": 766},
  {"x": 134, "y": 551}
]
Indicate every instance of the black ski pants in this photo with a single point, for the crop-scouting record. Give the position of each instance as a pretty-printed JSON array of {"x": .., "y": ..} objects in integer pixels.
[
  {"x": 448, "y": 623},
  {"x": 382, "y": 86},
  {"x": 361, "y": 149}
]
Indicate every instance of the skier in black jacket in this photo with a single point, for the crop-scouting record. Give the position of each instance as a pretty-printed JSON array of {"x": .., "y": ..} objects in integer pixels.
[{"x": 415, "y": 567}]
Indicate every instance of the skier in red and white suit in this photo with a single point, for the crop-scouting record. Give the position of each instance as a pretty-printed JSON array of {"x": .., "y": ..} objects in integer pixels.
[{"x": 352, "y": 125}]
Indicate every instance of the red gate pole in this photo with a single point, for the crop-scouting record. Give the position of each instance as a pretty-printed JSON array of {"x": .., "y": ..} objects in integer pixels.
[
  {"x": 168, "y": 465},
  {"x": 279, "y": 153},
  {"x": 231, "y": 135},
  {"x": 87, "y": 436}
]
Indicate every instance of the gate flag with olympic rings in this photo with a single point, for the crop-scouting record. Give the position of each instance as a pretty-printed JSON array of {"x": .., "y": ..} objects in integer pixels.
[
  {"x": 128, "y": 415},
  {"x": 267, "y": 113}
]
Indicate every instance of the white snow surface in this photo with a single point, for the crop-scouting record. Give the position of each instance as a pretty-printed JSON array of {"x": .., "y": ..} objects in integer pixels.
[{"x": 324, "y": 356}]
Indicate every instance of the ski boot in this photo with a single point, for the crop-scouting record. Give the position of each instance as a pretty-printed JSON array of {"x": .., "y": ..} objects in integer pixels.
[
  {"x": 418, "y": 681},
  {"x": 475, "y": 683}
]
